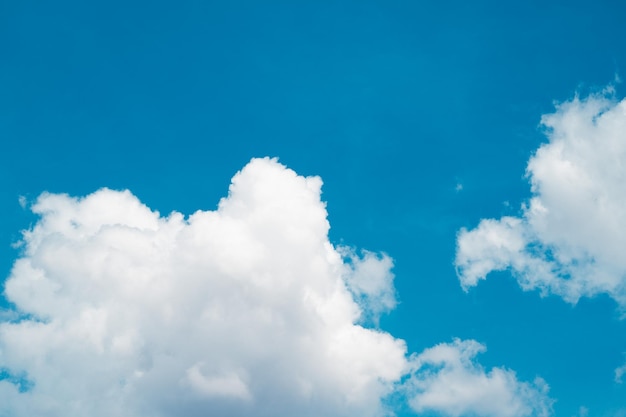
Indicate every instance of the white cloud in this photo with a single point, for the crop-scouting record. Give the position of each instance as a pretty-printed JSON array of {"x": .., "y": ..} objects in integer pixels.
[
  {"x": 582, "y": 411},
  {"x": 448, "y": 382},
  {"x": 239, "y": 311},
  {"x": 370, "y": 280},
  {"x": 246, "y": 310},
  {"x": 619, "y": 373},
  {"x": 570, "y": 237}
]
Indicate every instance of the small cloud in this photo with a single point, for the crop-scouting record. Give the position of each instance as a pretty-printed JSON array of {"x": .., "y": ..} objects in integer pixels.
[
  {"x": 458, "y": 187},
  {"x": 619, "y": 373},
  {"x": 370, "y": 280},
  {"x": 449, "y": 382},
  {"x": 617, "y": 79},
  {"x": 569, "y": 239},
  {"x": 22, "y": 201}
]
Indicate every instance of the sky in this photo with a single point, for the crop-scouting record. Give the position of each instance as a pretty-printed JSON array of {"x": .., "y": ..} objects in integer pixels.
[{"x": 343, "y": 208}]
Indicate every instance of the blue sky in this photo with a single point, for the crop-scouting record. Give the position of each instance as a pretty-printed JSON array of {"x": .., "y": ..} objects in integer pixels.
[{"x": 420, "y": 118}]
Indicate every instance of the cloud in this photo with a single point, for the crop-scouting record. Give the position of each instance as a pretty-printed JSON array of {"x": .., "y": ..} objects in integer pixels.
[
  {"x": 570, "y": 236},
  {"x": 582, "y": 411},
  {"x": 245, "y": 310},
  {"x": 619, "y": 373},
  {"x": 370, "y": 280},
  {"x": 448, "y": 382}
]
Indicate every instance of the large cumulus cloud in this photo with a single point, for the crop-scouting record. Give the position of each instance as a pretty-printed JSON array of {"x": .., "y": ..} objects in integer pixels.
[
  {"x": 245, "y": 310},
  {"x": 569, "y": 239},
  {"x": 128, "y": 313}
]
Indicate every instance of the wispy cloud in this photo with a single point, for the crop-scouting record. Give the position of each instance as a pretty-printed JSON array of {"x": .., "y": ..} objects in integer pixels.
[{"x": 619, "y": 373}]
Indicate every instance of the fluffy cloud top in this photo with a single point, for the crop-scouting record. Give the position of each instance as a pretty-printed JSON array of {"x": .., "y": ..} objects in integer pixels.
[
  {"x": 245, "y": 310},
  {"x": 450, "y": 383},
  {"x": 570, "y": 237}
]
